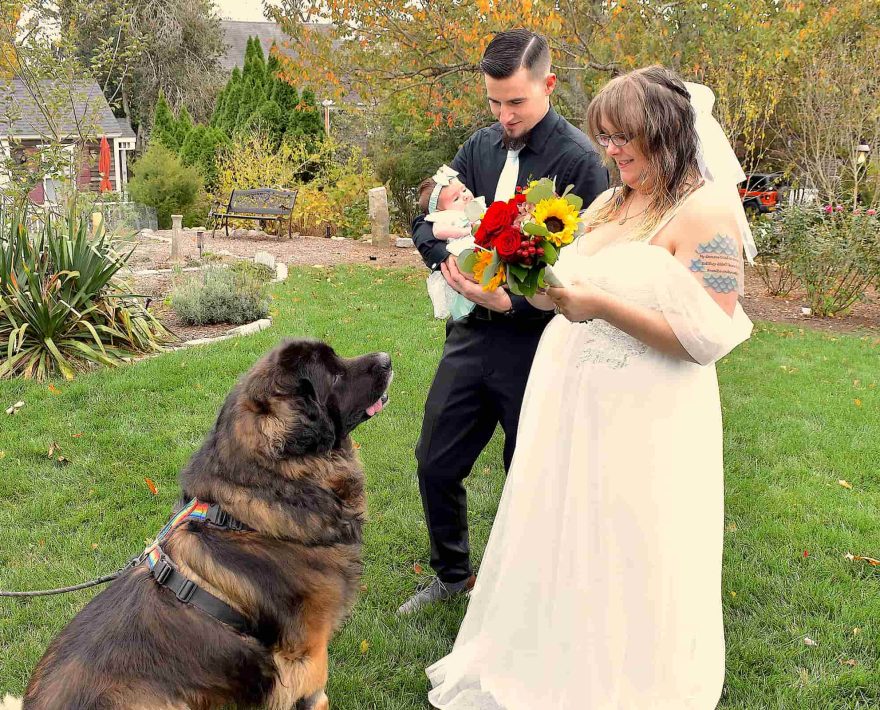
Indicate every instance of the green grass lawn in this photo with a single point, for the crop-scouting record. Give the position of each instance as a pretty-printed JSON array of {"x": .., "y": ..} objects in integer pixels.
[{"x": 801, "y": 413}]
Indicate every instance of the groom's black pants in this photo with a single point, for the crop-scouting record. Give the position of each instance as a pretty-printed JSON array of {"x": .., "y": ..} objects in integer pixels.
[{"x": 479, "y": 383}]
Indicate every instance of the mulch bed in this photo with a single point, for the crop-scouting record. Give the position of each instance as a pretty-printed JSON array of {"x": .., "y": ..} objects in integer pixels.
[{"x": 153, "y": 253}]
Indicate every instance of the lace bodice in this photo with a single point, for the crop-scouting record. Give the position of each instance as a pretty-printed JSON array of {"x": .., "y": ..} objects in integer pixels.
[
  {"x": 649, "y": 276},
  {"x": 623, "y": 270}
]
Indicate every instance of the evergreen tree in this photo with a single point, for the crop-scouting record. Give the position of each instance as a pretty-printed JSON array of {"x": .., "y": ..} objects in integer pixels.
[
  {"x": 164, "y": 126},
  {"x": 230, "y": 111},
  {"x": 183, "y": 127},
  {"x": 200, "y": 149},
  {"x": 269, "y": 119}
]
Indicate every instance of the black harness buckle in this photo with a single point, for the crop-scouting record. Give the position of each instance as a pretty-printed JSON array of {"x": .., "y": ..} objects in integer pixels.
[
  {"x": 162, "y": 570},
  {"x": 186, "y": 591}
]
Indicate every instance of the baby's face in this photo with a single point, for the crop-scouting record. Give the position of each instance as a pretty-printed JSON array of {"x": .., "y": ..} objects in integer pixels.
[{"x": 454, "y": 196}]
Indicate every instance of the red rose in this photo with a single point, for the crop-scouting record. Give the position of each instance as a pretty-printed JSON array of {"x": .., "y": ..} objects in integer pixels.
[
  {"x": 499, "y": 216},
  {"x": 507, "y": 243}
]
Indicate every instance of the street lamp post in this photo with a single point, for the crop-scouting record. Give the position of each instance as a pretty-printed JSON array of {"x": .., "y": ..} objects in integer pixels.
[{"x": 327, "y": 103}]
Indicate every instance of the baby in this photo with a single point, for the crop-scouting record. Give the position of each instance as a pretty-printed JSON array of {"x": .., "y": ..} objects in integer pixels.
[{"x": 452, "y": 209}]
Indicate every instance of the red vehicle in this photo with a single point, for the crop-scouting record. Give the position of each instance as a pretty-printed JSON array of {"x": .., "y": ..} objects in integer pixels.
[{"x": 760, "y": 192}]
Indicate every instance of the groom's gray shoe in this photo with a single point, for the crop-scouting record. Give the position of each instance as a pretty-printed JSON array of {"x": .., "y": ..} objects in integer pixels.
[{"x": 436, "y": 591}]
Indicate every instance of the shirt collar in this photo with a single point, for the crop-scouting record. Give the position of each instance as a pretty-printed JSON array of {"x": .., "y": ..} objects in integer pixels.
[{"x": 540, "y": 133}]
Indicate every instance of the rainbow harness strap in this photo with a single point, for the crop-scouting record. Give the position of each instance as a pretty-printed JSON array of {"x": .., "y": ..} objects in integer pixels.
[{"x": 166, "y": 574}]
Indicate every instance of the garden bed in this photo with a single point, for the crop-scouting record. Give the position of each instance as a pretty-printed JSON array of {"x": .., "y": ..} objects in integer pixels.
[{"x": 153, "y": 253}]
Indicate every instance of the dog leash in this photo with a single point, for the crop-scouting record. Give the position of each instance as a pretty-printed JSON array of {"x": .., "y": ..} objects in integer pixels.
[
  {"x": 211, "y": 513},
  {"x": 133, "y": 562}
]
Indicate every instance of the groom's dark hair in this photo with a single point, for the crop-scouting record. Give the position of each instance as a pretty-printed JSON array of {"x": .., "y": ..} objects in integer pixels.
[{"x": 509, "y": 51}]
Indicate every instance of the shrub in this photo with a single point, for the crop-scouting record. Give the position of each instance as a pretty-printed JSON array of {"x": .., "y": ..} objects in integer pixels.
[
  {"x": 261, "y": 272},
  {"x": 220, "y": 295},
  {"x": 162, "y": 181},
  {"x": 835, "y": 253},
  {"x": 773, "y": 262},
  {"x": 61, "y": 308},
  {"x": 335, "y": 192}
]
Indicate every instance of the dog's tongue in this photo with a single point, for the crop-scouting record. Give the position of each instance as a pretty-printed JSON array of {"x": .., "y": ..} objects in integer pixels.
[{"x": 374, "y": 409}]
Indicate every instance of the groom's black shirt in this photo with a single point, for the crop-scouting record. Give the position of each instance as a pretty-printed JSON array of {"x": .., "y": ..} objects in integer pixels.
[{"x": 554, "y": 149}]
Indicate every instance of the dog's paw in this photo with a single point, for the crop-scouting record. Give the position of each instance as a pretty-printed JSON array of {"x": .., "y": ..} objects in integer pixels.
[{"x": 10, "y": 703}]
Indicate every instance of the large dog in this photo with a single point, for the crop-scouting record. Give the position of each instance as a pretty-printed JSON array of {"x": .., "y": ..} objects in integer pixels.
[{"x": 279, "y": 460}]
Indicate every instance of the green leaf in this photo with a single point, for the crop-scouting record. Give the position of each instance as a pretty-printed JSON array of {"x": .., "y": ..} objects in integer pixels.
[
  {"x": 536, "y": 230},
  {"x": 491, "y": 269},
  {"x": 517, "y": 270},
  {"x": 542, "y": 191},
  {"x": 513, "y": 283},
  {"x": 467, "y": 260},
  {"x": 551, "y": 253},
  {"x": 575, "y": 201}
]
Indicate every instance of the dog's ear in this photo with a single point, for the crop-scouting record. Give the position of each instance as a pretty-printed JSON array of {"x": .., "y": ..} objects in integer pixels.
[{"x": 315, "y": 430}]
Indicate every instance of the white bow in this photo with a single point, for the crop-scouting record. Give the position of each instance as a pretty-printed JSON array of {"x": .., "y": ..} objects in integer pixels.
[{"x": 444, "y": 175}]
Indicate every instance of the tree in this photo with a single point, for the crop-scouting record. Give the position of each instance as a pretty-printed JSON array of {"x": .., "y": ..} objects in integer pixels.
[
  {"x": 164, "y": 125},
  {"x": 201, "y": 148},
  {"x": 172, "y": 46},
  {"x": 430, "y": 52},
  {"x": 10, "y": 14},
  {"x": 184, "y": 125}
]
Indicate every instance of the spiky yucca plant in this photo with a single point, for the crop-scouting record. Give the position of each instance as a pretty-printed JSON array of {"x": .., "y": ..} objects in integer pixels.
[{"x": 62, "y": 309}]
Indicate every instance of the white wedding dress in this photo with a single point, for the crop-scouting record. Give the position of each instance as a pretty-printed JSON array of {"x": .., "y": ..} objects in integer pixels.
[{"x": 600, "y": 587}]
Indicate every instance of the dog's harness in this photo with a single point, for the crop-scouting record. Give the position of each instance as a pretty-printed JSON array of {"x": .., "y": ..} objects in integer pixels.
[{"x": 187, "y": 591}]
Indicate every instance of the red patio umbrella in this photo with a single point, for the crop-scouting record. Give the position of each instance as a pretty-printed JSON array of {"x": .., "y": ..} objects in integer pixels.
[{"x": 104, "y": 165}]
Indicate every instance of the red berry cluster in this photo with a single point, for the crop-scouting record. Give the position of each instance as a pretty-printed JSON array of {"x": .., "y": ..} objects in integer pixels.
[{"x": 530, "y": 249}]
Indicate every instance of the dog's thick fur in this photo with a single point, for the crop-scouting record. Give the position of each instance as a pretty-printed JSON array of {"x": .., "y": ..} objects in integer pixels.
[{"x": 280, "y": 460}]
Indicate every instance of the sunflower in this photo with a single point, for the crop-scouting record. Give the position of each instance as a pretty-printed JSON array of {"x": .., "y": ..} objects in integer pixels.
[
  {"x": 484, "y": 258},
  {"x": 560, "y": 218}
]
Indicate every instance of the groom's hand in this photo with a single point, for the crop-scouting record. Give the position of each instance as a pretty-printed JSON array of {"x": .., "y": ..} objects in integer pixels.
[{"x": 497, "y": 300}]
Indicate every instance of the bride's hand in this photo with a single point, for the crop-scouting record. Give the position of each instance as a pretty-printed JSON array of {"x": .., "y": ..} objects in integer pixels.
[{"x": 578, "y": 302}]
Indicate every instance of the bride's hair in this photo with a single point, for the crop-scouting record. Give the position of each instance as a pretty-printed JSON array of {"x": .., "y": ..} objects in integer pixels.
[{"x": 652, "y": 107}]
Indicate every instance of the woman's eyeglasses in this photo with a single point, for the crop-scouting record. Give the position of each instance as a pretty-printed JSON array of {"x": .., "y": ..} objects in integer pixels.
[{"x": 619, "y": 139}]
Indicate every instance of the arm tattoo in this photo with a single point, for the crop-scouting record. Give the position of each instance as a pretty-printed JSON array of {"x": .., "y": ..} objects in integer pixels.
[{"x": 718, "y": 261}]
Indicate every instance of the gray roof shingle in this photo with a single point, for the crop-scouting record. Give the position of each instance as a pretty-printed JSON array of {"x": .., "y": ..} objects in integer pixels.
[
  {"x": 81, "y": 108},
  {"x": 237, "y": 33}
]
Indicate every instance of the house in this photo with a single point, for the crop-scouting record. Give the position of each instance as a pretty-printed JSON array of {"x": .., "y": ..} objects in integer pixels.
[{"x": 75, "y": 115}]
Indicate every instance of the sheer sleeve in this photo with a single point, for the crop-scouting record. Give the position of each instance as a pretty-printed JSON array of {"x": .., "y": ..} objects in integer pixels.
[{"x": 699, "y": 323}]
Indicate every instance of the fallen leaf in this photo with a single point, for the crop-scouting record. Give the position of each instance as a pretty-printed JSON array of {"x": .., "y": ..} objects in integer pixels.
[
  {"x": 845, "y": 484},
  {"x": 849, "y": 662},
  {"x": 732, "y": 593},
  {"x": 76, "y": 436},
  {"x": 809, "y": 642},
  {"x": 806, "y": 554},
  {"x": 856, "y": 631},
  {"x": 53, "y": 447},
  {"x": 859, "y": 558},
  {"x": 417, "y": 568},
  {"x": 858, "y": 402},
  {"x": 94, "y": 545},
  {"x": 152, "y": 486},
  {"x": 2, "y": 455},
  {"x": 41, "y": 543},
  {"x": 54, "y": 390},
  {"x": 364, "y": 646},
  {"x": 731, "y": 527},
  {"x": 355, "y": 445},
  {"x": 63, "y": 460},
  {"x": 363, "y": 587}
]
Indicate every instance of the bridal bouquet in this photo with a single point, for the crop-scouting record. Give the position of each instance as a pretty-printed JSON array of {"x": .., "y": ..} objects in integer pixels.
[{"x": 516, "y": 240}]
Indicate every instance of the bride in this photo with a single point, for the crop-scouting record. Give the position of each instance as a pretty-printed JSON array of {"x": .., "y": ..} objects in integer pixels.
[{"x": 600, "y": 587}]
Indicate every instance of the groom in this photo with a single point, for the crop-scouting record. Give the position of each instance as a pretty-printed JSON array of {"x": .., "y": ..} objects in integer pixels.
[{"x": 485, "y": 364}]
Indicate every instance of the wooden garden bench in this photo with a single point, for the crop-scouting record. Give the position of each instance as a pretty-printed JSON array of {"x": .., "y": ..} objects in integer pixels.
[{"x": 263, "y": 205}]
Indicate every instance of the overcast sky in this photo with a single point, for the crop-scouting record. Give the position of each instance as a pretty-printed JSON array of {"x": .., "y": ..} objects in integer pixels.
[{"x": 251, "y": 10}]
